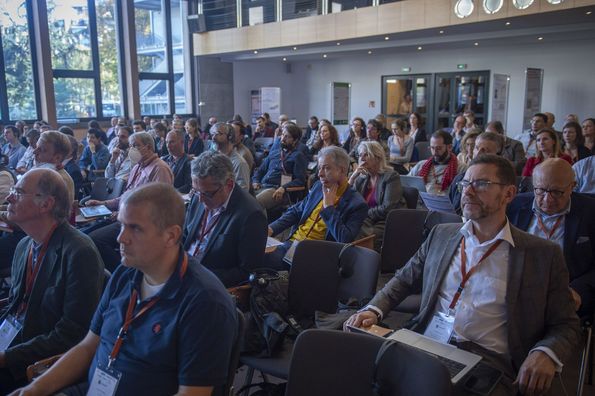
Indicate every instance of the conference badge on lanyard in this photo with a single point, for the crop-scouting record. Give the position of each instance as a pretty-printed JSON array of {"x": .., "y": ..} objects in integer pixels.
[
  {"x": 105, "y": 381},
  {"x": 441, "y": 327},
  {"x": 8, "y": 331}
]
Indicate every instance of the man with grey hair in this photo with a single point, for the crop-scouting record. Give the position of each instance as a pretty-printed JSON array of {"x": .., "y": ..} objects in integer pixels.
[
  {"x": 181, "y": 337},
  {"x": 178, "y": 160},
  {"x": 52, "y": 149},
  {"x": 225, "y": 229},
  {"x": 224, "y": 139},
  {"x": 56, "y": 281},
  {"x": 332, "y": 211},
  {"x": 26, "y": 161},
  {"x": 149, "y": 168}
]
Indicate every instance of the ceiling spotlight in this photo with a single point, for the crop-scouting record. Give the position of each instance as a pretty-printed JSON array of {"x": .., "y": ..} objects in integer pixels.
[
  {"x": 507, "y": 23},
  {"x": 386, "y": 37},
  {"x": 284, "y": 59},
  {"x": 441, "y": 32},
  {"x": 369, "y": 52},
  {"x": 338, "y": 43},
  {"x": 476, "y": 44},
  {"x": 419, "y": 48},
  {"x": 589, "y": 12},
  {"x": 539, "y": 38},
  {"x": 295, "y": 48},
  {"x": 256, "y": 52},
  {"x": 324, "y": 55}
]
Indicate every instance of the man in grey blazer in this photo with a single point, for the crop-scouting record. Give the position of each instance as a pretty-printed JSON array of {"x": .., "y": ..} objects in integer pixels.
[{"x": 515, "y": 308}]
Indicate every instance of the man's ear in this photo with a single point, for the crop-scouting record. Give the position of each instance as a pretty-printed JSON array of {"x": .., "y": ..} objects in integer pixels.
[
  {"x": 47, "y": 204},
  {"x": 173, "y": 235}
]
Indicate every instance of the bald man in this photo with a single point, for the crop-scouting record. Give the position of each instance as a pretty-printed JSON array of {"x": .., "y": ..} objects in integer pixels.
[{"x": 567, "y": 218}]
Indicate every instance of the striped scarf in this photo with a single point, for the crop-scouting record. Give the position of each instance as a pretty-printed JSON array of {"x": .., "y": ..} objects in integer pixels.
[{"x": 449, "y": 173}]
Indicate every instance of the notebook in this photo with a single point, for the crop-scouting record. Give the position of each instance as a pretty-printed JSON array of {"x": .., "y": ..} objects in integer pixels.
[
  {"x": 95, "y": 211},
  {"x": 457, "y": 361}
]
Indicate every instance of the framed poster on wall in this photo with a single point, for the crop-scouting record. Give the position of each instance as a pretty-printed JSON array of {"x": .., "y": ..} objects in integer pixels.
[
  {"x": 341, "y": 94},
  {"x": 533, "y": 93},
  {"x": 500, "y": 98}
]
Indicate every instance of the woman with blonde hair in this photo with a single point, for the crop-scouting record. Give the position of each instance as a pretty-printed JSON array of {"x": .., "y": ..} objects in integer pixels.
[
  {"x": 467, "y": 147},
  {"x": 380, "y": 186}
]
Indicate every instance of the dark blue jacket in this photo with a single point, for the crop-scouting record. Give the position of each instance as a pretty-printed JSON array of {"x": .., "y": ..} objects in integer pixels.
[
  {"x": 269, "y": 172},
  {"x": 579, "y": 240},
  {"x": 181, "y": 171},
  {"x": 197, "y": 147},
  {"x": 343, "y": 222}
]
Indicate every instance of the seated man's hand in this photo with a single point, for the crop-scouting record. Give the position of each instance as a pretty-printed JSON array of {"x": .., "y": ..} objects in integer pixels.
[
  {"x": 93, "y": 202},
  {"x": 536, "y": 374},
  {"x": 278, "y": 194},
  {"x": 576, "y": 298},
  {"x": 329, "y": 195},
  {"x": 361, "y": 319},
  {"x": 26, "y": 391},
  {"x": 256, "y": 186},
  {"x": 270, "y": 231}
]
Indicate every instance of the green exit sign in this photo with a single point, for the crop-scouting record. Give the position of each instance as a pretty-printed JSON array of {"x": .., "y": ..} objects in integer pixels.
[{"x": 462, "y": 66}]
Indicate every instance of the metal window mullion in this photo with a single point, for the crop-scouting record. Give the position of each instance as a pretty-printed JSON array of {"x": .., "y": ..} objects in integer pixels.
[
  {"x": 169, "y": 55},
  {"x": 120, "y": 48},
  {"x": 95, "y": 58},
  {"x": 238, "y": 13},
  {"x": 279, "y": 4},
  {"x": 3, "y": 93},
  {"x": 31, "y": 31}
]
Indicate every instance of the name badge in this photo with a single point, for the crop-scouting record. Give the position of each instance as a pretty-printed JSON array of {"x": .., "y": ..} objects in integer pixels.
[
  {"x": 105, "y": 382},
  {"x": 8, "y": 331},
  {"x": 285, "y": 179},
  {"x": 441, "y": 327}
]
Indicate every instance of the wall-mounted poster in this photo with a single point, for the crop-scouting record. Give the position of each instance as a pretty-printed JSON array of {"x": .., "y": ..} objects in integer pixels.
[
  {"x": 340, "y": 103},
  {"x": 533, "y": 91},
  {"x": 500, "y": 98},
  {"x": 270, "y": 101}
]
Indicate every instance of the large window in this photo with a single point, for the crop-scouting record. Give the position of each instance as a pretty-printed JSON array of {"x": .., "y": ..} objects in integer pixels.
[{"x": 17, "y": 84}]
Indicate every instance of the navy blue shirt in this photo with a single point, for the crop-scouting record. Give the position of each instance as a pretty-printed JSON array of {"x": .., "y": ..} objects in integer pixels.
[
  {"x": 279, "y": 162},
  {"x": 184, "y": 339}
]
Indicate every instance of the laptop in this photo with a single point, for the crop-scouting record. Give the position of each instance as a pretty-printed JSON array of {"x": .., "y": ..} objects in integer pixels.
[
  {"x": 95, "y": 211},
  {"x": 413, "y": 181},
  {"x": 457, "y": 361},
  {"x": 437, "y": 203}
]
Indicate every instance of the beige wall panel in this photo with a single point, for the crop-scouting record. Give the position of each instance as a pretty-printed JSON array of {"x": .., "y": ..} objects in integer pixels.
[
  {"x": 437, "y": 13},
  {"x": 289, "y": 32},
  {"x": 254, "y": 36},
  {"x": 412, "y": 15},
  {"x": 389, "y": 18},
  {"x": 240, "y": 39},
  {"x": 272, "y": 34},
  {"x": 306, "y": 30},
  {"x": 345, "y": 25},
  {"x": 205, "y": 43},
  {"x": 224, "y": 40},
  {"x": 325, "y": 27},
  {"x": 366, "y": 21},
  {"x": 583, "y": 3}
]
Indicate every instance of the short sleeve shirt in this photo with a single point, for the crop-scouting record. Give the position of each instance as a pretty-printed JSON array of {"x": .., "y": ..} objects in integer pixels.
[{"x": 184, "y": 339}]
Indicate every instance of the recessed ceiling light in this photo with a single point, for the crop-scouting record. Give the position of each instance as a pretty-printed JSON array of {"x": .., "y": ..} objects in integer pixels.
[
  {"x": 369, "y": 52},
  {"x": 386, "y": 37},
  {"x": 441, "y": 32},
  {"x": 324, "y": 55},
  {"x": 507, "y": 23},
  {"x": 419, "y": 48},
  {"x": 294, "y": 48},
  {"x": 284, "y": 59},
  {"x": 256, "y": 52},
  {"x": 539, "y": 38},
  {"x": 338, "y": 43},
  {"x": 476, "y": 44},
  {"x": 589, "y": 12}
]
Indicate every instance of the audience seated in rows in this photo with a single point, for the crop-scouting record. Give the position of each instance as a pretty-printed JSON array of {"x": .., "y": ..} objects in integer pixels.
[
  {"x": 416, "y": 130},
  {"x": 159, "y": 133},
  {"x": 27, "y": 160},
  {"x": 7, "y": 178},
  {"x": 13, "y": 147},
  {"x": 178, "y": 161},
  {"x": 379, "y": 185},
  {"x": 71, "y": 166},
  {"x": 120, "y": 163},
  {"x": 112, "y": 131},
  {"x": 193, "y": 142},
  {"x": 573, "y": 142},
  {"x": 547, "y": 146},
  {"x": 243, "y": 144},
  {"x": 528, "y": 137},
  {"x": 585, "y": 175},
  {"x": 149, "y": 168},
  {"x": 400, "y": 147},
  {"x": 357, "y": 134},
  {"x": 53, "y": 148},
  {"x": 56, "y": 281},
  {"x": 513, "y": 149},
  {"x": 95, "y": 156},
  {"x": 467, "y": 146},
  {"x": 331, "y": 211},
  {"x": 457, "y": 132},
  {"x": 441, "y": 168},
  {"x": 311, "y": 132},
  {"x": 225, "y": 227},
  {"x": 514, "y": 309},
  {"x": 224, "y": 139},
  {"x": 180, "y": 341},
  {"x": 373, "y": 133},
  {"x": 555, "y": 213},
  {"x": 589, "y": 133},
  {"x": 280, "y": 170}
]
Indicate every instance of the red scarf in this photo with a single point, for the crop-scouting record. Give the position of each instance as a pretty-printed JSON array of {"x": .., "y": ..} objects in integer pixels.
[{"x": 449, "y": 173}]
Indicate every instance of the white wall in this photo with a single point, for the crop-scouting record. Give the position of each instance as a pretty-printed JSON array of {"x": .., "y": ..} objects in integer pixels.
[{"x": 568, "y": 87}]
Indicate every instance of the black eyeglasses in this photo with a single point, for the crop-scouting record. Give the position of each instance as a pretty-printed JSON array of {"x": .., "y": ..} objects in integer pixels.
[
  {"x": 554, "y": 193},
  {"x": 208, "y": 195},
  {"x": 477, "y": 185}
]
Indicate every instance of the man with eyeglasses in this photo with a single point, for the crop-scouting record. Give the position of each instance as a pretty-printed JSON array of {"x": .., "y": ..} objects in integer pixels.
[
  {"x": 488, "y": 287},
  {"x": 56, "y": 281},
  {"x": 225, "y": 227},
  {"x": 224, "y": 139},
  {"x": 556, "y": 213}
]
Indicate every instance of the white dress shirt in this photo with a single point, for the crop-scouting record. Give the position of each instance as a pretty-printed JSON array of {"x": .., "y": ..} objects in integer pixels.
[{"x": 549, "y": 221}]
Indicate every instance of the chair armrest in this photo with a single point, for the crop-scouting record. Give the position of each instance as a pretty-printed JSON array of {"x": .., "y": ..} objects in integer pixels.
[
  {"x": 366, "y": 242},
  {"x": 38, "y": 368},
  {"x": 241, "y": 295}
]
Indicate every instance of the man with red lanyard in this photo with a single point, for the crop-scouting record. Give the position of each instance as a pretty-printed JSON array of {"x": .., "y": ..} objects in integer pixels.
[
  {"x": 489, "y": 288},
  {"x": 56, "y": 281},
  {"x": 332, "y": 211},
  {"x": 556, "y": 213},
  {"x": 149, "y": 168},
  {"x": 165, "y": 324}
]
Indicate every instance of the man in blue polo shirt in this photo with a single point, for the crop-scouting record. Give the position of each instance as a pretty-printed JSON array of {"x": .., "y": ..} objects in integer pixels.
[{"x": 165, "y": 324}]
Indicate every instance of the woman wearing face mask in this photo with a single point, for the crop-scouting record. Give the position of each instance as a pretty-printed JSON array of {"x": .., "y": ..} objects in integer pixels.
[
  {"x": 379, "y": 185},
  {"x": 573, "y": 141},
  {"x": 548, "y": 146}
]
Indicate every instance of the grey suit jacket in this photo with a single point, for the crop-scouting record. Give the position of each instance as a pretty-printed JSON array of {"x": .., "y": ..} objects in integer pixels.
[
  {"x": 539, "y": 305},
  {"x": 389, "y": 194}
]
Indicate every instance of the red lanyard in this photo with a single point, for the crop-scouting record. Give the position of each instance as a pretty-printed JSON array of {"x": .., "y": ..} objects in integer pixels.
[
  {"x": 548, "y": 233},
  {"x": 466, "y": 275},
  {"x": 130, "y": 318},
  {"x": 33, "y": 269},
  {"x": 283, "y": 162},
  {"x": 137, "y": 173},
  {"x": 205, "y": 229}
]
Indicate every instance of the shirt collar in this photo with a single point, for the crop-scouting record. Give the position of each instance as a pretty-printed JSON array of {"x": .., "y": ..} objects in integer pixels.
[
  {"x": 546, "y": 216},
  {"x": 173, "y": 284},
  {"x": 504, "y": 234}
]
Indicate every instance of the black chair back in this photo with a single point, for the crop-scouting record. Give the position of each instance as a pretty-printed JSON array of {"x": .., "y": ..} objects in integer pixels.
[
  {"x": 435, "y": 218},
  {"x": 360, "y": 267},
  {"x": 403, "y": 235},
  {"x": 227, "y": 389},
  {"x": 411, "y": 196}
]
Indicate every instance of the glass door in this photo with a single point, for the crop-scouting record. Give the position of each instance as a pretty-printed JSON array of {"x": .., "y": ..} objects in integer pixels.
[
  {"x": 460, "y": 92},
  {"x": 404, "y": 94}
]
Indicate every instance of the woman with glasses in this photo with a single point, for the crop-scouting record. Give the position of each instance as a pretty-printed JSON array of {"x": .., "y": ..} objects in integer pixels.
[
  {"x": 400, "y": 147},
  {"x": 379, "y": 185},
  {"x": 573, "y": 141},
  {"x": 467, "y": 147},
  {"x": 547, "y": 146}
]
